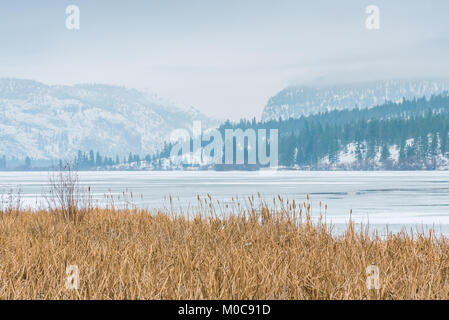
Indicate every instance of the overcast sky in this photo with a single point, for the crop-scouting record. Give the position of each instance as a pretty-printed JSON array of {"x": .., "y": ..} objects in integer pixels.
[{"x": 225, "y": 57}]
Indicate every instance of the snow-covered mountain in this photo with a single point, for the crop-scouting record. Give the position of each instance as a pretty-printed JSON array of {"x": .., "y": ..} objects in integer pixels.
[
  {"x": 50, "y": 122},
  {"x": 294, "y": 102}
]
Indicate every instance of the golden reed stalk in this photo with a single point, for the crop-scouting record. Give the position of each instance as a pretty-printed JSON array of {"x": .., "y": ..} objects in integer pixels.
[{"x": 233, "y": 252}]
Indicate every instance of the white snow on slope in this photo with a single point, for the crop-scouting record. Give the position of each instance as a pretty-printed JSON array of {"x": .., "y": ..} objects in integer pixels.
[{"x": 48, "y": 122}]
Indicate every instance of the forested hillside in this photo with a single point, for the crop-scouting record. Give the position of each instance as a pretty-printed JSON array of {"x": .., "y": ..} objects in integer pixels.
[
  {"x": 298, "y": 101},
  {"x": 412, "y": 134}
]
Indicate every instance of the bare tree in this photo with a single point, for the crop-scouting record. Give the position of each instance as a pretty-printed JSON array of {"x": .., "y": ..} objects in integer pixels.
[{"x": 65, "y": 196}]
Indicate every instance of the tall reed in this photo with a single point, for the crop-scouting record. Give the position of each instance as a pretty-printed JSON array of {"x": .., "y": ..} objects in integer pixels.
[{"x": 233, "y": 250}]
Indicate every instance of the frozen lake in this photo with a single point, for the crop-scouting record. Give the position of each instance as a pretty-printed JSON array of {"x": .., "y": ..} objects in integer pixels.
[{"x": 394, "y": 198}]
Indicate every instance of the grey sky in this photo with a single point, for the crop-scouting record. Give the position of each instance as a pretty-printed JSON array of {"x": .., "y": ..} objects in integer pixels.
[{"x": 224, "y": 57}]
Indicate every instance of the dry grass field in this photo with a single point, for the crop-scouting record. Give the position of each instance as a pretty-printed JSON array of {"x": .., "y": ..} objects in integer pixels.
[{"x": 218, "y": 252}]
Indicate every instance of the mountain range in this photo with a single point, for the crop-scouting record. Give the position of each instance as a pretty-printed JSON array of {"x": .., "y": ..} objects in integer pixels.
[
  {"x": 297, "y": 101},
  {"x": 408, "y": 135},
  {"x": 54, "y": 122}
]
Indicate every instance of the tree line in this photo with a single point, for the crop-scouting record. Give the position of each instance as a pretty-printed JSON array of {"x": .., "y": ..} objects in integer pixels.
[{"x": 417, "y": 130}]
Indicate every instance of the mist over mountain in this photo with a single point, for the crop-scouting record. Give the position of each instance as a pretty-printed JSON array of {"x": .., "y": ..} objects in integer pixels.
[
  {"x": 297, "y": 101},
  {"x": 54, "y": 122}
]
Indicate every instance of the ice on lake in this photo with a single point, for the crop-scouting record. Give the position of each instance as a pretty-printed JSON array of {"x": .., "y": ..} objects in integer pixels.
[{"x": 418, "y": 198}]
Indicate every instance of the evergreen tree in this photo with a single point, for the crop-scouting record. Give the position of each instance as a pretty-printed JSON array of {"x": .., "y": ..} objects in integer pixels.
[
  {"x": 137, "y": 160},
  {"x": 79, "y": 159},
  {"x": 99, "y": 160},
  {"x": 3, "y": 163},
  {"x": 334, "y": 153},
  {"x": 385, "y": 154},
  {"x": 411, "y": 150},
  {"x": 434, "y": 146},
  {"x": 27, "y": 163},
  {"x": 91, "y": 158},
  {"x": 371, "y": 152},
  {"x": 443, "y": 142},
  {"x": 402, "y": 152},
  {"x": 358, "y": 151}
]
